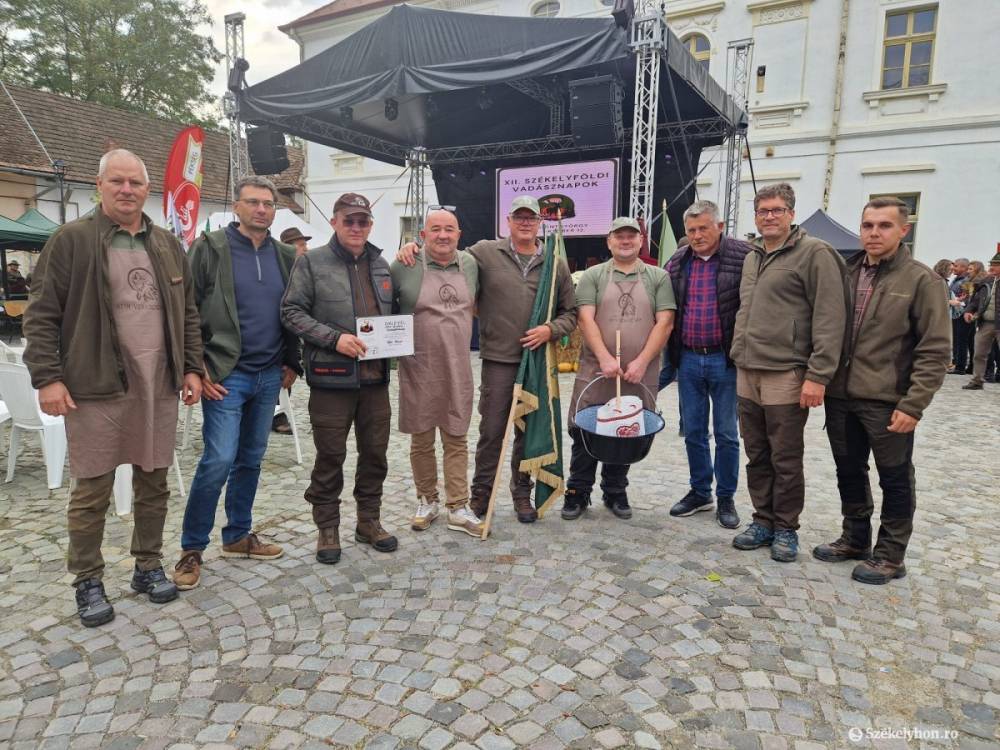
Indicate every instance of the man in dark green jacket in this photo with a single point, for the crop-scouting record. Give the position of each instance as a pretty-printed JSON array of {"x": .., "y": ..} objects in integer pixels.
[
  {"x": 240, "y": 274},
  {"x": 897, "y": 350}
]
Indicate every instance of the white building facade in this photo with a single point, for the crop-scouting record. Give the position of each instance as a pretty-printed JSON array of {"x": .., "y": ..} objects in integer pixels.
[{"x": 848, "y": 99}]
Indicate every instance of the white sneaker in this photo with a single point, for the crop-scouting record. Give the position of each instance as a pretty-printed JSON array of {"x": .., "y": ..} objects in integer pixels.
[
  {"x": 424, "y": 517},
  {"x": 465, "y": 520}
]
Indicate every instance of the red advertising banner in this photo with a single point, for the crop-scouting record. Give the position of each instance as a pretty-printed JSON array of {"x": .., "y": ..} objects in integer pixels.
[{"x": 182, "y": 184}]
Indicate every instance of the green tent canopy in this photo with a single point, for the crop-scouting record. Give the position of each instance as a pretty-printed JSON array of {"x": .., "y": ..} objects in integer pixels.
[
  {"x": 33, "y": 218},
  {"x": 14, "y": 234}
]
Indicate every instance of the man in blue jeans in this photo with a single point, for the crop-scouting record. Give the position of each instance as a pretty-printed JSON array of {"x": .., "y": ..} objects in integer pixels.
[
  {"x": 705, "y": 275},
  {"x": 240, "y": 273}
]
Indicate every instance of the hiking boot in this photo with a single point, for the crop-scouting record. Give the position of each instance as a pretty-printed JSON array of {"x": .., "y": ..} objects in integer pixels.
[
  {"x": 618, "y": 504},
  {"x": 785, "y": 547},
  {"x": 425, "y": 515},
  {"x": 371, "y": 532},
  {"x": 877, "y": 571},
  {"x": 281, "y": 425},
  {"x": 692, "y": 503},
  {"x": 525, "y": 511},
  {"x": 187, "y": 571},
  {"x": 840, "y": 550},
  {"x": 479, "y": 506},
  {"x": 251, "y": 546},
  {"x": 463, "y": 519},
  {"x": 574, "y": 503},
  {"x": 725, "y": 513},
  {"x": 154, "y": 582},
  {"x": 989, "y": 378},
  {"x": 972, "y": 386},
  {"x": 328, "y": 546},
  {"x": 92, "y": 604},
  {"x": 753, "y": 536}
]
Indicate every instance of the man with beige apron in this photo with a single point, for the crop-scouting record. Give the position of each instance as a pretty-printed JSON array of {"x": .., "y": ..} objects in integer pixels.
[
  {"x": 626, "y": 296},
  {"x": 435, "y": 384}
]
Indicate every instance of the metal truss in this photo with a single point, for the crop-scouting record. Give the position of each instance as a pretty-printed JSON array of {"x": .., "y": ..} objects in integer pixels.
[
  {"x": 239, "y": 160},
  {"x": 551, "y": 99},
  {"x": 738, "y": 58},
  {"x": 415, "y": 203},
  {"x": 648, "y": 38}
]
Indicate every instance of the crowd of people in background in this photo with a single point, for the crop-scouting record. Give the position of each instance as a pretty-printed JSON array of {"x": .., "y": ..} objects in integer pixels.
[{"x": 972, "y": 298}]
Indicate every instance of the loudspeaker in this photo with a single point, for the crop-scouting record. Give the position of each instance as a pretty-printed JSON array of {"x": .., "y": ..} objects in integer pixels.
[
  {"x": 596, "y": 111},
  {"x": 266, "y": 148}
]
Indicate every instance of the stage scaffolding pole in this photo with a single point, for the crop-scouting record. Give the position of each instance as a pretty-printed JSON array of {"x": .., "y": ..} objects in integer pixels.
[
  {"x": 239, "y": 161},
  {"x": 647, "y": 40},
  {"x": 415, "y": 201},
  {"x": 738, "y": 57}
]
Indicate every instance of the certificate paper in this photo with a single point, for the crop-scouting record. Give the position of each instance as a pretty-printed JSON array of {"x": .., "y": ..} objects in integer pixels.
[{"x": 386, "y": 336}]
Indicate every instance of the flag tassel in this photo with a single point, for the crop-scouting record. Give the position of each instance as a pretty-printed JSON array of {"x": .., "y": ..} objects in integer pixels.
[{"x": 503, "y": 454}]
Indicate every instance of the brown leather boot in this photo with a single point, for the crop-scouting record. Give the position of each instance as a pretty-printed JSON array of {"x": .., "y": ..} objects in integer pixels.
[
  {"x": 840, "y": 550},
  {"x": 525, "y": 511},
  {"x": 878, "y": 572},
  {"x": 479, "y": 505},
  {"x": 371, "y": 532},
  {"x": 328, "y": 546}
]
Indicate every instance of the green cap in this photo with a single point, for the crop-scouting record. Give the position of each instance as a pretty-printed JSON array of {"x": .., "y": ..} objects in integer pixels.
[
  {"x": 995, "y": 259},
  {"x": 624, "y": 222},
  {"x": 525, "y": 201}
]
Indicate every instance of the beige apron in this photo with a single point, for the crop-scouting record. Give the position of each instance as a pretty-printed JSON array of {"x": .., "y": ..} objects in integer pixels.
[
  {"x": 435, "y": 384},
  {"x": 624, "y": 306},
  {"x": 138, "y": 427}
]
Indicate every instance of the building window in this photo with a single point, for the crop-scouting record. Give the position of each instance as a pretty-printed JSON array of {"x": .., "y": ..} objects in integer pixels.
[
  {"x": 912, "y": 201},
  {"x": 908, "y": 48},
  {"x": 699, "y": 47},
  {"x": 547, "y": 9}
]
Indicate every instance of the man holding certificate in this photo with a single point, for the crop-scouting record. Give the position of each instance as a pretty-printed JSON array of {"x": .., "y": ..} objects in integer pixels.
[
  {"x": 435, "y": 384},
  {"x": 330, "y": 289}
]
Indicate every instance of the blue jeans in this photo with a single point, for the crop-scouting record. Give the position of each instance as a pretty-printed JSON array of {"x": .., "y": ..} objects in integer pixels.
[
  {"x": 235, "y": 432},
  {"x": 703, "y": 378}
]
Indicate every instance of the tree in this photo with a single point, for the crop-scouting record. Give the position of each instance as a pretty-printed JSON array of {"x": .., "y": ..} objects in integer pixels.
[{"x": 140, "y": 56}]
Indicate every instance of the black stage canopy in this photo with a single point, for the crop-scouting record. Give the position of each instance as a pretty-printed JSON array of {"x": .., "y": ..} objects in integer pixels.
[{"x": 843, "y": 240}]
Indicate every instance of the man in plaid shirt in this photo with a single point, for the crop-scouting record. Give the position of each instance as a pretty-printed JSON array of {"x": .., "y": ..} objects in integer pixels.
[{"x": 705, "y": 275}]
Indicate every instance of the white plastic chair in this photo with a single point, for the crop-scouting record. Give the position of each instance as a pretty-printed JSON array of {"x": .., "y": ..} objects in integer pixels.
[
  {"x": 123, "y": 486},
  {"x": 4, "y": 414},
  {"x": 22, "y": 402}
]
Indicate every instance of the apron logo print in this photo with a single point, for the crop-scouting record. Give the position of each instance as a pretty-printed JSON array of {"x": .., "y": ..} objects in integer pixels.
[
  {"x": 628, "y": 430},
  {"x": 143, "y": 285},
  {"x": 449, "y": 295}
]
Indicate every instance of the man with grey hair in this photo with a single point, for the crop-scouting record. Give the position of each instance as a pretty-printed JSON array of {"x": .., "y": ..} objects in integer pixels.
[
  {"x": 705, "y": 275},
  {"x": 962, "y": 333},
  {"x": 240, "y": 274},
  {"x": 112, "y": 333}
]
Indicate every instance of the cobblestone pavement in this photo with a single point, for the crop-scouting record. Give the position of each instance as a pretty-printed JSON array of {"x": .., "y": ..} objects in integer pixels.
[{"x": 596, "y": 633}]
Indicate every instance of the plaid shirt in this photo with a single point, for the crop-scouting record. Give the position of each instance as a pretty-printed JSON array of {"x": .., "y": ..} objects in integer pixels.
[
  {"x": 701, "y": 325},
  {"x": 863, "y": 294}
]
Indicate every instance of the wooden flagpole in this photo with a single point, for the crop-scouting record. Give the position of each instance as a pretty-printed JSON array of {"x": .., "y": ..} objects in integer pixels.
[{"x": 503, "y": 454}]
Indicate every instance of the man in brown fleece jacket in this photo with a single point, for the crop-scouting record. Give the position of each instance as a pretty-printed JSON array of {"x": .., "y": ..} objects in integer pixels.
[
  {"x": 786, "y": 346},
  {"x": 895, "y": 358},
  {"x": 509, "y": 271}
]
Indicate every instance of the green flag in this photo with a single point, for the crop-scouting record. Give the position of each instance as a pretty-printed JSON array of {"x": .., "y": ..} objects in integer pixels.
[
  {"x": 537, "y": 412},
  {"x": 668, "y": 243}
]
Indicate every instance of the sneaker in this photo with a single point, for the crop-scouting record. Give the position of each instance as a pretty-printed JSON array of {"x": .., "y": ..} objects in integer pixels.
[
  {"x": 187, "y": 571},
  {"x": 252, "y": 547},
  {"x": 574, "y": 503},
  {"x": 463, "y": 519},
  {"x": 972, "y": 386},
  {"x": 725, "y": 513},
  {"x": 618, "y": 504},
  {"x": 785, "y": 547},
  {"x": 92, "y": 603},
  {"x": 840, "y": 550},
  {"x": 753, "y": 536},
  {"x": 328, "y": 546},
  {"x": 371, "y": 532},
  {"x": 878, "y": 572},
  {"x": 691, "y": 503},
  {"x": 154, "y": 582},
  {"x": 424, "y": 517}
]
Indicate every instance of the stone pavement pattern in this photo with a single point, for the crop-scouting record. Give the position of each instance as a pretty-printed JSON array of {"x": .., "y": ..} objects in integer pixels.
[{"x": 595, "y": 633}]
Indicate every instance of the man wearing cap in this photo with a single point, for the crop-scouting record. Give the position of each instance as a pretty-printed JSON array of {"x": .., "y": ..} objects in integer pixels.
[
  {"x": 330, "y": 288},
  {"x": 509, "y": 271},
  {"x": 622, "y": 295},
  {"x": 982, "y": 308},
  {"x": 296, "y": 239},
  {"x": 240, "y": 274},
  {"x": 15, "y": 281},
  {"x": 435, "y": 384}
]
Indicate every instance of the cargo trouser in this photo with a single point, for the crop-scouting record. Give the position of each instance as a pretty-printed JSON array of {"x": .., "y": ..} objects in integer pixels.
[
  {"x": 332, "y": 413},
  {"x": 857, "y": 428},
  {"x": 88, "y": 508},
  {"x": 455, "y": 463},
  {"x": 772, "y": 425},
  {"x": 984, "y": 342}
]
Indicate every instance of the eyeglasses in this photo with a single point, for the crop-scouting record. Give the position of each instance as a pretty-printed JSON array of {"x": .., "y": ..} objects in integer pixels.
[
  {"x": 363, "y": 222},
  {"x": 254, "y": 203},
  {"x": 525, "y": 219},
  {"x": 763, "y": 213},
  {"x": 436, "y": 207}
]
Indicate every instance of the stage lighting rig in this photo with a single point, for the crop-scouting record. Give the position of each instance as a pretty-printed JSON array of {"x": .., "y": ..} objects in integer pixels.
[{"x": 391, "y": 109}]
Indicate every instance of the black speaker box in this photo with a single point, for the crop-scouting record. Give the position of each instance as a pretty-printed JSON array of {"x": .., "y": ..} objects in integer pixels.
[
  {"x": 596, "y": 111},
  {"x": 266, "y": 148}
]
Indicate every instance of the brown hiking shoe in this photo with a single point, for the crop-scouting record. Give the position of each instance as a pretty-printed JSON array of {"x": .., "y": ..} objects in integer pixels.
[
  {"x": 840, "y": 550},
  {"x": 187, "y": 571},
  {"x": 525, "y": 511},
  {"x": 251, "y": 546},
  {"x": 328, "y": 546},
  {"x": 371, "y": 532},
  {"x": 479, "y": 506},
  {"x": 878, "y": 571}
]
